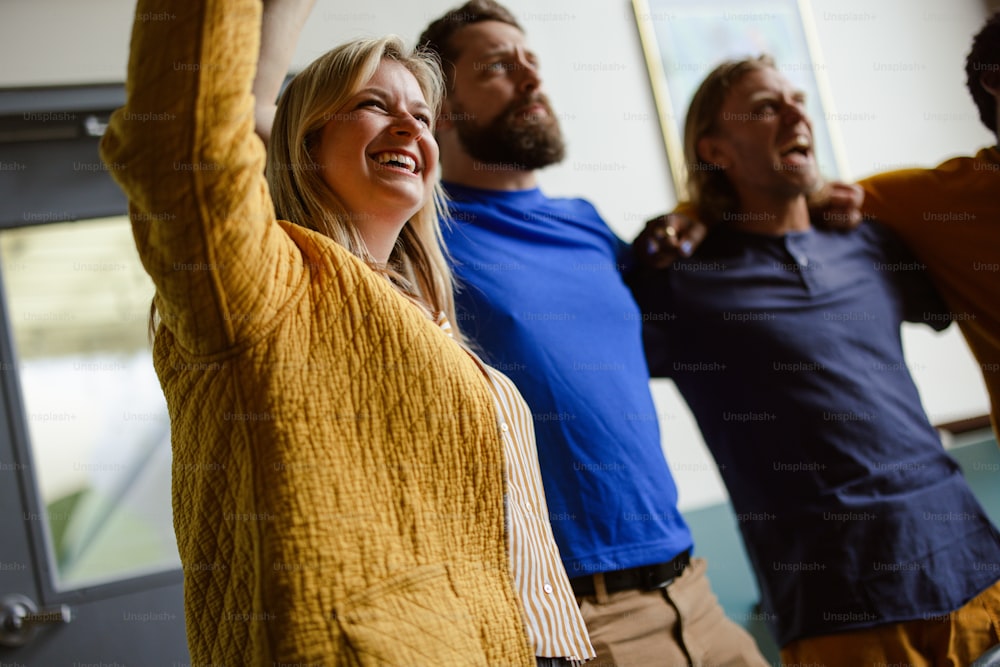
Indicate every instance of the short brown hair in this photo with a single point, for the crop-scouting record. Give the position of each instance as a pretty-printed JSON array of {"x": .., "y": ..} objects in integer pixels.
[
  {"x": 437, "y": 37},
  {"x": 708, "y": 187}
]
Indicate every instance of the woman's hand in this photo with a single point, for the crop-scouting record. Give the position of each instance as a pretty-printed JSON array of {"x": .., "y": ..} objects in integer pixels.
[{"x": 666, "y": 238}]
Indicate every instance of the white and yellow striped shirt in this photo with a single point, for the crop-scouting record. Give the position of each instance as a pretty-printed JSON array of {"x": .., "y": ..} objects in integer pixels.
[{"x": 554, "y": 623}]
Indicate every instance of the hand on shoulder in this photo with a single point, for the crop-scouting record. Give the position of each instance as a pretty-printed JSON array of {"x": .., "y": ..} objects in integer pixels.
[
  {"x": 666, "y": 238},
  {"x": 837, "y": 205}
]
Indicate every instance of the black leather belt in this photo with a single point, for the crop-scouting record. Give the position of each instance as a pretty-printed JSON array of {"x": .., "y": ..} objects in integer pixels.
[
  {"x": 552, "y": 662},
  {"x": 646, "y": 577}
]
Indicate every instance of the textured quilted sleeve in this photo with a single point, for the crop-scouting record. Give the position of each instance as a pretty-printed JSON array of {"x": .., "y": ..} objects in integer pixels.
[{"x": 183, "y": 150}]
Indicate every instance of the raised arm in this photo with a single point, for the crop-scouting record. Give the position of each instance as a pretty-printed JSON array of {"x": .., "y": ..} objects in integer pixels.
[
  {"x": 283, "y": 21},
  {"x": 184, "y": 151}
]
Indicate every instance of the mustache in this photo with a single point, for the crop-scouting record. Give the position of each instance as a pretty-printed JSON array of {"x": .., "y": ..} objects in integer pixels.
[{"x": 535, "y": 98}]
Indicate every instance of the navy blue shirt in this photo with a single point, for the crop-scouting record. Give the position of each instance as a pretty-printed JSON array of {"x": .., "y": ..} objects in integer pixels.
[
  {"x": 541, "y": 293},
  {"x": 787, "y": 350}
]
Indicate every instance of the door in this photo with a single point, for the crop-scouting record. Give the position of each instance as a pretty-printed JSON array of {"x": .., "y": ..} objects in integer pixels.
[
  {"x": 84, "y": 456},
  {"x": 89, "y": 572}
]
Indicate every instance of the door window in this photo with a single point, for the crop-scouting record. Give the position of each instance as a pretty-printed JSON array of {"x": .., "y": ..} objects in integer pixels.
[{"x": 78, "y": 305}]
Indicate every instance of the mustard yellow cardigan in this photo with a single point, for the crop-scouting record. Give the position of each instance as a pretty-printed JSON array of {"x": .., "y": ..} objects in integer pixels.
[{"x": 337, "y": 473}]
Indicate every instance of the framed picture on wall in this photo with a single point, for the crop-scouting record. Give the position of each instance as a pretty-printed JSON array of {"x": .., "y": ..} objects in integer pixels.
[{"x": 684, "y": 40}]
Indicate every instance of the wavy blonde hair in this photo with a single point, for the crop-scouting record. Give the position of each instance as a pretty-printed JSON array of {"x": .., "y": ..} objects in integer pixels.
[{"x": 417, "y": 264}]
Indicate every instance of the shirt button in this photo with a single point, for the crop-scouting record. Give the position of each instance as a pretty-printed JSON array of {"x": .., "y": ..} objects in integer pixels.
[
  {"x": 504, "y": 428},
  {"x": 804, "y": 261},
  {"x": 547, "y": 588}
]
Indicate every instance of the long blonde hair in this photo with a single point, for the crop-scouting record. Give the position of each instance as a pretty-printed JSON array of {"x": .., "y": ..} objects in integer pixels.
[{"x": 417, "y": 264}]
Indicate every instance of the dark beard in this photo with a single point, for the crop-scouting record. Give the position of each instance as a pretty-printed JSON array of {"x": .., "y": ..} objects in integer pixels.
[{"x": 512, "y": 140}]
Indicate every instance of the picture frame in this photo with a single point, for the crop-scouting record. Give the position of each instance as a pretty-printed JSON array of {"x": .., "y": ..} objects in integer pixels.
[{"x": 683, "y": 40}]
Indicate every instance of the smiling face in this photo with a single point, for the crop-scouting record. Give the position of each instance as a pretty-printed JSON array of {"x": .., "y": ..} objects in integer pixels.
[
  {"x": 763, "y": 140},
  {"x": 378, "y": 156},
  {"x": 496, "y": 104}
]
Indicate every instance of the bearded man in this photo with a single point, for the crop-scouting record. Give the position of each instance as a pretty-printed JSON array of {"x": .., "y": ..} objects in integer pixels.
[
  {"x": 542, "y": 295},
  {"x": 868, "y": 545}
]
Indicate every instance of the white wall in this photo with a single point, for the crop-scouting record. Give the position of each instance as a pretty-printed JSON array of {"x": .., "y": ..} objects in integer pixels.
[{"x": 894, "y": 68}]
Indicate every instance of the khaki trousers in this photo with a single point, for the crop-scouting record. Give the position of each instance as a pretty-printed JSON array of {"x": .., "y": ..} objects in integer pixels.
[
  {"x": 676, "y": 626},
  {"x": 951, "y": 640}
]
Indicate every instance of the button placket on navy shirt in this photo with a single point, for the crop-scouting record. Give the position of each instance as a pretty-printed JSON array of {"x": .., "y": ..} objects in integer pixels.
[{"x": 797, "y": 245}]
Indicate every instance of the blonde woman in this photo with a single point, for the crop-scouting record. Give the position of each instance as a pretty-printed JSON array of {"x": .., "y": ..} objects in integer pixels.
[{"x": 339, "y": 465}]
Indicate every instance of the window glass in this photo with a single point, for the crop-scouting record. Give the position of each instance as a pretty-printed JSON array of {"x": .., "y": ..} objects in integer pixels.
[{"x": 78, "y": 302}]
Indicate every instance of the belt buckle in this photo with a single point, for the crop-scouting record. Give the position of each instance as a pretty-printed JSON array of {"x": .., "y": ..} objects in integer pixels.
[
  {"x": 672, "y": 569},
  {"x": 652, "y": 585}
]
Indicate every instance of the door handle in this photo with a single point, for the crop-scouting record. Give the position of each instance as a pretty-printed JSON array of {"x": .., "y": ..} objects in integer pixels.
[{"x": 20, "y": 619}]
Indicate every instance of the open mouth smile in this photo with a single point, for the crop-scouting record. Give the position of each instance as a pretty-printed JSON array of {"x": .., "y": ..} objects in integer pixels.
[
  {"x": 796, "y": 153},
  {"x": 396, "y": 160}
]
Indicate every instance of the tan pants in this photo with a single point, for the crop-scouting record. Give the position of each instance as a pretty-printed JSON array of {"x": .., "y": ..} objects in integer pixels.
[
  {"x": 953, "y": 640},
  {"x": 677, "y": 626}
]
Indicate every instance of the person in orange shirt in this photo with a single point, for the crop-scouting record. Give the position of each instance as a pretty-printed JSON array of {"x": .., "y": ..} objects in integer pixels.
[{"x": 949, "y": 216}]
